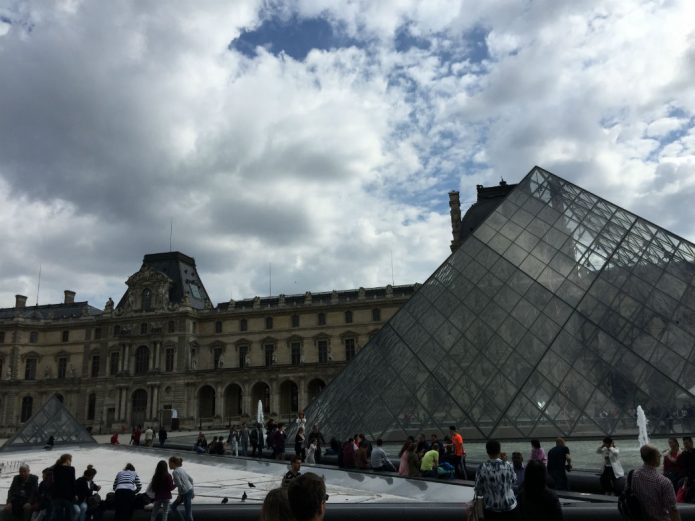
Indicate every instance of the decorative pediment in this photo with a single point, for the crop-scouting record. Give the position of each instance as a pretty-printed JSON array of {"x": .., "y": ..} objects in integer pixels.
[
  {"x": 148, "y": 290},
  {"x": 147, "y": 276}
]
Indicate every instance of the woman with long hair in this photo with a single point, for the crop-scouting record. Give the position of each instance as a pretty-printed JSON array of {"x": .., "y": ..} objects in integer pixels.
[
  {"x": 536, "y": 501},
  {"x": 161, "y": 485},
  {"x": 126, "y": 485}
]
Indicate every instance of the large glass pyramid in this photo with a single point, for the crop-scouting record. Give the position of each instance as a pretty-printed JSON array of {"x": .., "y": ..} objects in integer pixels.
[
  {"x": 558, "y": 315},
  {"x": 52, "y": 419}
]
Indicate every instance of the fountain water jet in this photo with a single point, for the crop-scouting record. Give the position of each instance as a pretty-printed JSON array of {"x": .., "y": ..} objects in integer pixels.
[{"x": 643, "y": 437}]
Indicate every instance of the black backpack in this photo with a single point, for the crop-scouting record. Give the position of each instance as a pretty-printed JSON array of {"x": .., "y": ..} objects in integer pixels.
[{"x": 628, "y": 504}]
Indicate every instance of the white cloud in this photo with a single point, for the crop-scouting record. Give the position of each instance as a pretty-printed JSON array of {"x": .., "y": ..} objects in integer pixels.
[{"x": 120, "y": 117}]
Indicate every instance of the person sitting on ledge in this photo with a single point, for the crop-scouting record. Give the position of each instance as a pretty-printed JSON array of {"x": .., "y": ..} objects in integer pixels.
[
  {"x": 22, "y": 490},
  {"x": 380, "y": 460},
  {"x": 430, "y": 462},
  {"x": 293, "y": 473}
]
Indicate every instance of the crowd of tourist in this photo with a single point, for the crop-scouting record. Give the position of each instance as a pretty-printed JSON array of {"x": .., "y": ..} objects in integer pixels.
[{"x": 60, "y": 496}]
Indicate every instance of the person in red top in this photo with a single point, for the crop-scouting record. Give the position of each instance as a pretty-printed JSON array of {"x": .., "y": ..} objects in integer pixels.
[{"x": 459, "y": 452}]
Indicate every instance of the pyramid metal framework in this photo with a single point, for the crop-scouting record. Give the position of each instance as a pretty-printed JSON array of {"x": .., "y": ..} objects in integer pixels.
[
  {"x": 558, "y": 315},
  {"x": 52, "y": 419}
]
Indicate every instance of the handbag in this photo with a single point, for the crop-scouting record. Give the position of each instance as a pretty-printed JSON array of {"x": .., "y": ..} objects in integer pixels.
[{"x": 475, "y": 510}]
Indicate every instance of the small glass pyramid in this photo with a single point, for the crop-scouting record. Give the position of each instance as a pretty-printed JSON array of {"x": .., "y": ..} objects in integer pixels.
[
  {"x": 52, "y": 419},
  {"x": 558, "y": 315}
]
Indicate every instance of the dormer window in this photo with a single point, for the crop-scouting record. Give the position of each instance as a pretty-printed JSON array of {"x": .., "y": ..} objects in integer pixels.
[{"x": 147, "y": 300}]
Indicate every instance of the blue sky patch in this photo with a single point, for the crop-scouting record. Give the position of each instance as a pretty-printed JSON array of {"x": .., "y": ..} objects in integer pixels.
[{"x": 295, "y": 37}]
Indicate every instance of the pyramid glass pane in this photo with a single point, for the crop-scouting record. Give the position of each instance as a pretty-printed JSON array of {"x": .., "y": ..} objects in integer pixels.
[{"x": 558, "y": 315}]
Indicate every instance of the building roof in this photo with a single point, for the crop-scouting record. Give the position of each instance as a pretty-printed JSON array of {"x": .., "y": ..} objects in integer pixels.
[
  {"x": 489, "y": 198},
  {"x": 185, "y": 281},
  {"x": 50, "y": 311}
]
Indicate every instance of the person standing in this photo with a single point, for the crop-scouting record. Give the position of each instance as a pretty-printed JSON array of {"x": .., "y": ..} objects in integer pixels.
[
  {"x": 126, "y": 485},
  {"x": 537, "y": 452},
  {"x": 536, "y": 501},
  {"x": 672, "y": 468},
  {"x": 184, "y": 483},
  {"x": 299, "y": 443},
  {"x": 612, "y": 469},
  {"x": 23, "y": 489},
  {"x": 161, "y": 485},
  {"x": 278, "y": 442},
  {"x": 162, "y": 436},
  {"x": 63, "y": 491},
  {"x": 244, "y": 439},
  {"x": 149, "y": 437},
  {"x": 653, "y": 491},
  {"x": 316, "y": 437},
  {"x": 233, "y": 440},
  {"x": 559, "y": 461},
  {"x": 495, "y": 481},
  {"x": 459, "y": 452}
]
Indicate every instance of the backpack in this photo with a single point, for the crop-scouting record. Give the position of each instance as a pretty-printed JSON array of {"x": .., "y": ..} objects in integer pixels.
[{"x": 628, "y": 504}]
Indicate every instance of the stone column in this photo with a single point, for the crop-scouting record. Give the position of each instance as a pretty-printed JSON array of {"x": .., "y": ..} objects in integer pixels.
[
  {"x": 302, "y": 391},
  {"x": 219, "y": 401},
  {"x": 157, "y": 355},
  {"x": 155, "y": 401}
]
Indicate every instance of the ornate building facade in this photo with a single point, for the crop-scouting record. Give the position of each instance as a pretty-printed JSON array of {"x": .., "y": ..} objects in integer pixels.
[{"x": 166, "y": 352}]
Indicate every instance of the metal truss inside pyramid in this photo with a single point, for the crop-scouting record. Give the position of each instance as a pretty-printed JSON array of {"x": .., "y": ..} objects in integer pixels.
[
  {"x": 559, "y": 315},
  {"x": 52, "y": 419}
]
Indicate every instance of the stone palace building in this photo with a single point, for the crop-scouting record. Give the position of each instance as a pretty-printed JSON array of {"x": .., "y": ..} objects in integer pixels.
[{"x": 164, "y": 352}]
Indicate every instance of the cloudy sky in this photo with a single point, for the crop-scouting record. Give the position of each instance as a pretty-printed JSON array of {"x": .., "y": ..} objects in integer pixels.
[{"x": 317, "y": 136}]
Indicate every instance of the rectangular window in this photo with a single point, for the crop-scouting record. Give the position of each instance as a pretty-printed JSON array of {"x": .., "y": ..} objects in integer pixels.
[
  {"x": 218, "y": 326},
  {"x": 143, "y": 328},
  {"x": 217, "y": 354},
  {"x": 62, "y": 367},
  {"x": 296, "y": 352},
  {"x": 322, "y": 319},
  {"x": 376, "y": 315},
  {"x": 323, "y": 351},
  {"x": 33, "y": 337},
  {"x": 269, "y": 350},
  {"x": 171, "y": 327},
  {"x": 295, "y": 320},
  {"x": 97, "y": 333},
  {"x": 87, "y": 334},
  {"x": 169, "y": 361},
  {"x": 243, "y": 324},
  {"x": 243, "y": 354},
  {"x": 66, "y": 336},
  {"x": 1, "y": 367},
  {"x": 348, "y": 317},
  {"x": 269, "y": 322},
  {"x": 349, "y": 349},
  {"x": 113, "y": 363},
  {"x": 2, "y": 337},
  {"x": 95, "y": 366},
  {"x": 30, "y": 369}
]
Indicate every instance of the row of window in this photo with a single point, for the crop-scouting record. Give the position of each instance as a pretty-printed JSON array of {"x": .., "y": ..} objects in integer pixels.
[
  {"x": 142, "y": 359},
  {"x": 171, "y": 327},
  {"x": 28, "y": 407}
]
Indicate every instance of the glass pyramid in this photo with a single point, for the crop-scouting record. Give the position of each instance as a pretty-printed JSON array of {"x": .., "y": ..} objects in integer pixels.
[
  {"x": 52, "y": 419},
  {"x": 558, "y": 315}
]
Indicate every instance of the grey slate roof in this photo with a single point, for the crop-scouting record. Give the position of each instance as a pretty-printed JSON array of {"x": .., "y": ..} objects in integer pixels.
[{"x": 50, "y": 311}]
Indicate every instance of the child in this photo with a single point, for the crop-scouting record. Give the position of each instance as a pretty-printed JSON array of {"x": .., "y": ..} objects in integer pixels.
[
  {"x": 184, "y": 483},
  {"x": 161, "y": 485}
]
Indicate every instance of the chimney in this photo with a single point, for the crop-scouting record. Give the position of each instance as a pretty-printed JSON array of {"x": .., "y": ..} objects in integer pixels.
[
  {"x": 455, "y": 211},
  {"x": 69, "y": 297},
  {"x": 20, "y": 301}
]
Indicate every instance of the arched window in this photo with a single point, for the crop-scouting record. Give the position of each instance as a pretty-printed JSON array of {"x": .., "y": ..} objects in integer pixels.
[
  {"x": 27, "y": 406},
  {"x": 142, "y": 360},
  {"x": 91, "y": 406},
  {"x": 147, "y": 300}
]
